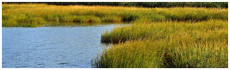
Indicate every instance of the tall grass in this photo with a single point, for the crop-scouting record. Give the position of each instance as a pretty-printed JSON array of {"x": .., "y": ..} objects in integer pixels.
[
  {"x": 165, "y": 53},
  {"x": 167, "y": 44},
  {"x": 26, "y": 14},
  {"x": 160, "y": 30}
]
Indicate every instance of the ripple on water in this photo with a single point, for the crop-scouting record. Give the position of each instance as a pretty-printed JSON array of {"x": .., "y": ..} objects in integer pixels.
[{"x": 51, "y": 47}]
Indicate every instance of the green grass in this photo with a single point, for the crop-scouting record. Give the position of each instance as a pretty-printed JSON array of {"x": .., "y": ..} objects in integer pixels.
[{"x": 167, "y": 44}]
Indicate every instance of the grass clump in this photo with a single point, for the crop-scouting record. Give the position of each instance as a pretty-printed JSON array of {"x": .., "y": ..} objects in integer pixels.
[
  {"x": 192, "y": 14},
  {"x": 111, "y": 19},
  {"x": 23, "y": 21},
  {"x": 165, "y": 53},
  {"x": 87, "y": 19},
  {"x": 116, "y": 57},
  {"x": 129, "y": 17}
]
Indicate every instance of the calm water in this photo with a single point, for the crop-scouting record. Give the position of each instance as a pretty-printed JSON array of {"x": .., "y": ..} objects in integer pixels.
[{"x": 52, "y": 47}]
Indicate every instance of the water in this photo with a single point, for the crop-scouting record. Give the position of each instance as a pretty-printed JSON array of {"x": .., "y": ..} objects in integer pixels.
[{"x": 52, "y": 47}]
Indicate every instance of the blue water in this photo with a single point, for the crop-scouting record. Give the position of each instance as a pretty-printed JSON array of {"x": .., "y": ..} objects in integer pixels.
[{"x": 52, "y": 47}]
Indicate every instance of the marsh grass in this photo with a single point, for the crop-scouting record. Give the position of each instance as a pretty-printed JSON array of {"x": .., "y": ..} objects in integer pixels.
[
  {"x": 160, "y": 30},
  {"x": 167, "y": 44},
  {"x": 165, "y": 53},
  {"x": 23, "y": 14}
]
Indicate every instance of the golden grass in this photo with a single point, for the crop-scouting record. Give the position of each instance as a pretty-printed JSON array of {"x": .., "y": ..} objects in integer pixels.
[
  {"x": 20, "y": 14},
  {"x": 160, "y": 30},
  {"x": 165, "y": 54},
  {"x": 167, "y": 44}
]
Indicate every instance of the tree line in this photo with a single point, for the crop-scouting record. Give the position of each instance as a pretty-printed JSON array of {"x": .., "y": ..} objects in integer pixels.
[{"x": 137, "y": 4}]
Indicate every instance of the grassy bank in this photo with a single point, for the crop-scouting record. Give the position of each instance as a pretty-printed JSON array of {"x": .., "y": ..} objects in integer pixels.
[
  {"x": 33, "y": 15},
  {"x": 167, "y": 44}
]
